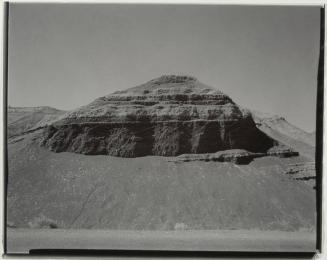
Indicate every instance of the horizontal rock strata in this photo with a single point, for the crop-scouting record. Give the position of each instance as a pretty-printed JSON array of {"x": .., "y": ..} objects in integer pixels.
[
  {"x": 237, "y": 156},
  {"x": 167, "y": 116}
]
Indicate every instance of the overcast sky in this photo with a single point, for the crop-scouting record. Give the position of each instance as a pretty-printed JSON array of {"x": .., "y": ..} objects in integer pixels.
[{"x": 264, "y": 58}]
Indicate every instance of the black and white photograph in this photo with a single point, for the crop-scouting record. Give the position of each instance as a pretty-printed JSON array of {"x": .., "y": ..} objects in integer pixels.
[{"x": 168, "y": 127}]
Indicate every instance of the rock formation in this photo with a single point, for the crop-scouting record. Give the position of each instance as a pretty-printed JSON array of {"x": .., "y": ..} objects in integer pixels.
[
  {"x": 177, "y": 117},
  {"x": 167, "y": 116}
]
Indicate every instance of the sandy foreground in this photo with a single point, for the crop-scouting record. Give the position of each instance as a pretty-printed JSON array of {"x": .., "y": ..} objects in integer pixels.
[{"x": 22, "y": 240}]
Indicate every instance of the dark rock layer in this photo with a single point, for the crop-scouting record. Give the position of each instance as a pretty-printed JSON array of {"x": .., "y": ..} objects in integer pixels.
[{"x": 160, "y": 138}]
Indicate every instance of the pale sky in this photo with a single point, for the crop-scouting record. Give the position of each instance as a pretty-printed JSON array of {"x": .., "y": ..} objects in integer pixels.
[{"x": 264, "y": 58}]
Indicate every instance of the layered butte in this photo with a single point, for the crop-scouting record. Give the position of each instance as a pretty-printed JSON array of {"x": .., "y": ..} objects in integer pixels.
[{"x": 167, "y": 116}]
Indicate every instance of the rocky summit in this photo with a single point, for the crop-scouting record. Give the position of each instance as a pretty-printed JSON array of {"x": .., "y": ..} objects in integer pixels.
[{"x": 168, "y": 116}]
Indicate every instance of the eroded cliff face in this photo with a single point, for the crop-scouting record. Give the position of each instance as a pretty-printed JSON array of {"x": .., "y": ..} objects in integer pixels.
[{"x": 167, "y": 116}]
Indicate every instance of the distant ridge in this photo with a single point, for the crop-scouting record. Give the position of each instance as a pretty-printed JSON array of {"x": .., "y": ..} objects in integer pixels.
[
  {"x": 22, "y": 119},
  {"x": 279, "y": 128}
]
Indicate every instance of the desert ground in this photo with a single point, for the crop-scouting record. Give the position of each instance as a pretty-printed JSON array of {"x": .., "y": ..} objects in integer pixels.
[
  {"x": 22, "y": 240},
  {"x": 164, "y": 204}
]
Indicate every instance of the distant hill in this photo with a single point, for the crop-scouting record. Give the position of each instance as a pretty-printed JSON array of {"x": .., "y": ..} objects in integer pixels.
[
  {"x": 280, "y": 129},
  {"x": 22, "y": 119},
  {"x": 312, "y": 137}
]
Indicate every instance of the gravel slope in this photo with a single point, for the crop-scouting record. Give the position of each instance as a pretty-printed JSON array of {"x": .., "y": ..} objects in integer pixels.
[{"x": 153, "y": 193}]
